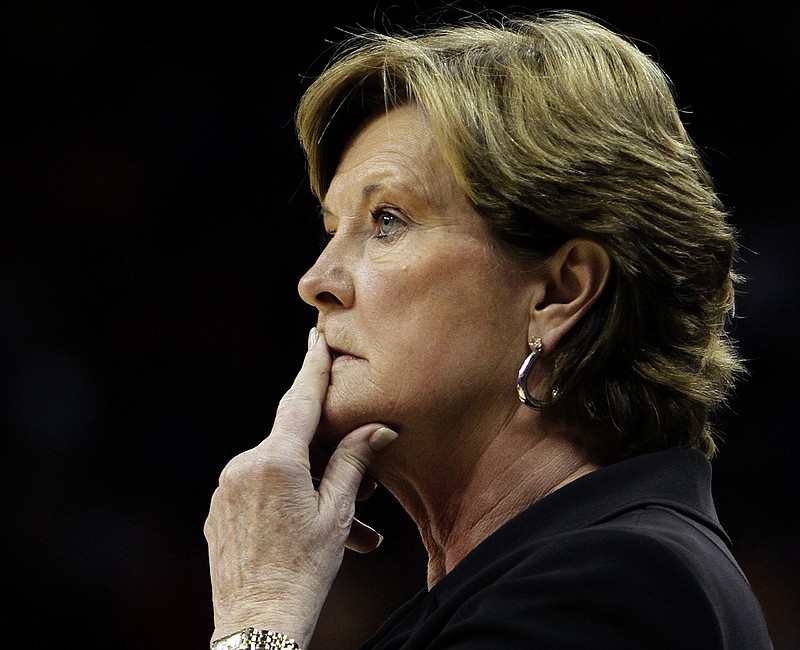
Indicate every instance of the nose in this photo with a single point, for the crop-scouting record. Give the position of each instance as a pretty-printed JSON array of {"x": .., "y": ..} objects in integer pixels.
[{"x": 328, "y": 283}]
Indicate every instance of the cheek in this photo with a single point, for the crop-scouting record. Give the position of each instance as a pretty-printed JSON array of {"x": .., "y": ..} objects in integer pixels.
[
  {"x": 423, "y": 333},
  {"x": 430, "y": 308},
  {"x": 389, "y": 305},
  {"x": 428, "y": 327}
]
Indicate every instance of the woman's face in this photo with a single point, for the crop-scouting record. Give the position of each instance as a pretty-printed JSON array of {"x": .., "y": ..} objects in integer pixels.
[{"x": 428, "y": 327}]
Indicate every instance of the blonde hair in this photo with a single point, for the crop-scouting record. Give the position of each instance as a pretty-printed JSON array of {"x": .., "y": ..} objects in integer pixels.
[{"x": 556, "y": 127}]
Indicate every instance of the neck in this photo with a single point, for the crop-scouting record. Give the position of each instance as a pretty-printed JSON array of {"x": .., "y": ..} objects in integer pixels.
[{"x": 485, "y": 486}]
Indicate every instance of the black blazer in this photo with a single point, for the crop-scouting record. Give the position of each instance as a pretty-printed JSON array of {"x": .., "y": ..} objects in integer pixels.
[{"x": 629, "y": 556}]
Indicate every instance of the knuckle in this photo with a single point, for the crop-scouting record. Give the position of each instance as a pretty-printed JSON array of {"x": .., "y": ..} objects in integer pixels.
[
  {"x": 351, "y": 458},
  {"x": 250, "y": 467},
  {"x": 235, "y": 468},
  {"x": 346, "y": 511},
  {"x": 295, "y": 402}
]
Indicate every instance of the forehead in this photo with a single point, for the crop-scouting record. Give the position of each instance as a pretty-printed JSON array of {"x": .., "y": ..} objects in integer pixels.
[{"x": 394, "y": 150}]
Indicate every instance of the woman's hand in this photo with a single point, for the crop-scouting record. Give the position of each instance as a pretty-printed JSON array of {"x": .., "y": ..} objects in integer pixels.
[{"x": 275, "y": 542}]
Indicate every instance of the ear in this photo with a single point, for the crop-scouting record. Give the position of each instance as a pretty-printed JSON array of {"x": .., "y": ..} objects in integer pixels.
[{"x": 571, "y": 281}]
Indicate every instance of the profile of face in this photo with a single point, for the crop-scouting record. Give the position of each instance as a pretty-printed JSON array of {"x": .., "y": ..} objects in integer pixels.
[{"x": 427, "y": 324}]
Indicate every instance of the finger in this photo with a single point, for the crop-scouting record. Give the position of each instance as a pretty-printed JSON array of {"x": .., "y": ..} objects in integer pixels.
[
  {"x": 321, "y": 454},
  {"x": 300, "y": 407},
  {"x": 363, "y": 538},
  {"x": 348, "y": 465}
]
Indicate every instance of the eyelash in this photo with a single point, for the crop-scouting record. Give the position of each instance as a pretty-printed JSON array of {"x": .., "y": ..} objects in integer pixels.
[{"x": 376, "y": 214}]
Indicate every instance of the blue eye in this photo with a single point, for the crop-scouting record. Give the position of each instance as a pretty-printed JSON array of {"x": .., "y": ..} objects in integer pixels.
[{"x": 387, "y": 223}]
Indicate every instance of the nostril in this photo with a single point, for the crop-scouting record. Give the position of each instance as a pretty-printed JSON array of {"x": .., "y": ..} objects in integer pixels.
[{"x": 327, "y": 298}]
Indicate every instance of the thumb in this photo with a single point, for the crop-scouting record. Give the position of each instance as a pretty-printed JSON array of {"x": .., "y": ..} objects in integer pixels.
[{"x": 338, "y": 488}]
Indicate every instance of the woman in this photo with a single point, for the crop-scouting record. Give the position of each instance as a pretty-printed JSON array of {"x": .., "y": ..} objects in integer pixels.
[{"x": 521, "y": 333}]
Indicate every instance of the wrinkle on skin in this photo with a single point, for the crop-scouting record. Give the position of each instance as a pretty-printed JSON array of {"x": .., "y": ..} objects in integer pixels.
[
  {"x": 439, "y": 326},
  {"x": 446, "y": 242}
]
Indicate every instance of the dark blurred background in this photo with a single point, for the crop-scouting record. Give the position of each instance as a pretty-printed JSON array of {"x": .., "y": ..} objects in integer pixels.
[{"x": 155, "y": 222}]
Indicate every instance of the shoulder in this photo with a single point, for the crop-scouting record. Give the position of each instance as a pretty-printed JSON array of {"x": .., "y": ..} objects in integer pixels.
[
  {"x": 648, "y": 543},
  {"x": 645, "y": 579},
  {"x": 646, "y": 560},
  {"x": 608, "y": 567}
]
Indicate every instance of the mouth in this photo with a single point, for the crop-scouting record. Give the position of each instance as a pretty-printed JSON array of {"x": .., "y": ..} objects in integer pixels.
[{"x": 337, "y": 353}]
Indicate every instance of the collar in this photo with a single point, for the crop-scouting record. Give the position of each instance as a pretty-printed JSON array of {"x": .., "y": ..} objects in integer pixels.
[{"x": 678, "y": 479}]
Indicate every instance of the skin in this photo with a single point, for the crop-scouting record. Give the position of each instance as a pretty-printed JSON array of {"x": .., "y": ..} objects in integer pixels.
[
  {"x": 423, "y": 326},
  {"x": 409, "y": 287}
]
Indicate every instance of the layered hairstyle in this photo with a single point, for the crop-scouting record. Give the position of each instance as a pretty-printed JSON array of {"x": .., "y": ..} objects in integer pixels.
[{"x": 557, "y": 127}]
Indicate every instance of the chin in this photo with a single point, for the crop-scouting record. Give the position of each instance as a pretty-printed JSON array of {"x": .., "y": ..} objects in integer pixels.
[
  {"x": 336, "y": 422},
  {"x": 338, "y": 419}
]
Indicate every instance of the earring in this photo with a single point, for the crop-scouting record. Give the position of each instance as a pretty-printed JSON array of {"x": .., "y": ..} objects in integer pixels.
[{"x": 522, "y": 379}]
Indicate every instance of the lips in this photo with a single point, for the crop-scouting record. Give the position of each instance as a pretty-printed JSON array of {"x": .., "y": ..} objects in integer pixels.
[
  {"x": 337, "y": 341},
  {"x": 337, "y": 353}
]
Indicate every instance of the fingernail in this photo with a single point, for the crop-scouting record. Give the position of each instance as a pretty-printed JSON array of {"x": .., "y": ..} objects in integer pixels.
[
  {"x": 380, "y": 540},
  {"x": 382, "y": 438},
  {"x": 313, "y": 335}
]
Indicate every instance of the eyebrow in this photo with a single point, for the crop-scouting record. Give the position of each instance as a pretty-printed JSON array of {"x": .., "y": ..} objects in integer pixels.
[{"x": 366, "y": 192}]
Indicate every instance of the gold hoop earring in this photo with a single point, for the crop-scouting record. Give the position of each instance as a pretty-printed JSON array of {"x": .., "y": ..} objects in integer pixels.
[{"x": 522, "y": 378}]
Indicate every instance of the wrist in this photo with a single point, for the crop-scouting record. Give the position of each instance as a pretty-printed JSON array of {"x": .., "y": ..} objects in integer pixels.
[
  {"x": 251, "y": 638},
  {"x": 293, "y": 614}
]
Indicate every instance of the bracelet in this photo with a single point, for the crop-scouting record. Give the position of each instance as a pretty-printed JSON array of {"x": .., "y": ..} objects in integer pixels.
[{"x": 252, "y": 639}]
